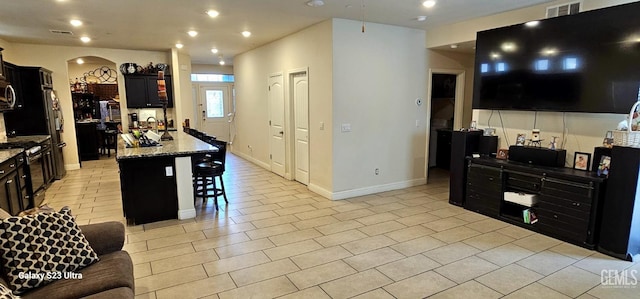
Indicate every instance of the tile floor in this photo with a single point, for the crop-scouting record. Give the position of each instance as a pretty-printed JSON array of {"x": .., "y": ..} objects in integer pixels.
[{"x": 276, "y": 239}]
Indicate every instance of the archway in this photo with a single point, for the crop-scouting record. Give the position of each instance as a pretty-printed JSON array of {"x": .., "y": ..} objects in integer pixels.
[{"x": 96, "y": 104}]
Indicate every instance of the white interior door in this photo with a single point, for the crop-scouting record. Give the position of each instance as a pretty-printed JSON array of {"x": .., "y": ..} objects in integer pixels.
[
  {"x": 276, "y": 124},
  {"x": 301, "y": 105},
  {"x": 214, "y": 109}
]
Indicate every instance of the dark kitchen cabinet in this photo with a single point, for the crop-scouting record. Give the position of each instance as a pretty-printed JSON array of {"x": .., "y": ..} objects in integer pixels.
[
  {"x": 142, "y": 91},
  {"x": 88, "y": 141},
  {"x": 12, "y": 75},
  {"x": 12, "y": 198},
  {"x": 2, "y": 76},
  {"x": 149, "y": 189}
]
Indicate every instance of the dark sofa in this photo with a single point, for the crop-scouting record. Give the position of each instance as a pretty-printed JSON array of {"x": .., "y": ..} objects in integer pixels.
[{"x": 111, "y": 277}]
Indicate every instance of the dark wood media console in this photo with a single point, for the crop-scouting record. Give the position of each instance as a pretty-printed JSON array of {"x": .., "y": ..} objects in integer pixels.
[{"x": 567, "y": 203}]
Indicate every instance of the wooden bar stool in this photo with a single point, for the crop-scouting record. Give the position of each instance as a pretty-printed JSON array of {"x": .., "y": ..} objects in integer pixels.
[{"x": 205, "y": 172}]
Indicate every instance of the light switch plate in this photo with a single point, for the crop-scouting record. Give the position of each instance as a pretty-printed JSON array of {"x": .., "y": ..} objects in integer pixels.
[
  {"x": 346, "y": 128},
  {"x": 168, "y": 170}
]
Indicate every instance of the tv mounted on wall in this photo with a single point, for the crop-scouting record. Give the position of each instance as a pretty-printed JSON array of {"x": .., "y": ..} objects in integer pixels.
[{"x": 588, "y": 62}]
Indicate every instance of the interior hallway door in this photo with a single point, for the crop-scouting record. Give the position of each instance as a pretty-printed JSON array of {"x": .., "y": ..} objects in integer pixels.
[
  {"x": 214, "y": 109},
  {"x": 300, "y": 92},
  {"x": 276, "y": 124}
]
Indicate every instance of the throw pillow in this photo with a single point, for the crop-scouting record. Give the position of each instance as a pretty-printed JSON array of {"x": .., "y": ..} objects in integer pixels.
[
  {"x": 38, "y": 249},
  {"x": 5, "y": 293}
]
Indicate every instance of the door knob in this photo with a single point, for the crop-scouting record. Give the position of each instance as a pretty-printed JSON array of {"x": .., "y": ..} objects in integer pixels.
[{"x": 281, "y": 133}]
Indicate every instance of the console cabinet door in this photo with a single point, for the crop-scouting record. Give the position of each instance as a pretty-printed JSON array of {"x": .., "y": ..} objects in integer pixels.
[
  {"x": 484, "y": 190},
  {"x": 564, "y": 209}
]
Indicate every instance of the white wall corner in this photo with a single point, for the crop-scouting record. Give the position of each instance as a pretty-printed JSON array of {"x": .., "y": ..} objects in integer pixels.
[
  {"x": 319, "y": 190},
  {"x": 75, "y": 166}
]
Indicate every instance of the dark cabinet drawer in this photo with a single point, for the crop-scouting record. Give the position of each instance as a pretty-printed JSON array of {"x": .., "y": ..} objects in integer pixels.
[
  {"x": 567, "y": 189},
  {"x": 572, "y": 208},
  {"x": 523, "y": 182},
  {"x": 7, "y": 167},
  {"x": 485, "y": 174},
  {"x": 562, "y": 221},
  {"x": 482, "y": 203}
]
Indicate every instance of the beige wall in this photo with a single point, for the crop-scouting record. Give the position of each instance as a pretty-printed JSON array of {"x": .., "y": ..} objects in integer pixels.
[
  {"x": 309, "y": 48},
  {"x": 577, "y": 131},
  {"x": 55, "y": 59},
  {"x": 369, "y": 80},
  {"x": 377, "y": 77},
  {"x": 211, "y": 69}
]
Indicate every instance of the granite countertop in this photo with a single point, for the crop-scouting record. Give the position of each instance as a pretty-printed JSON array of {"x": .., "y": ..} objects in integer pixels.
[
  {"x": 7, "y": 154},
  {"x": 34, "y": 138},
  {"x": 182, "y": 144}
]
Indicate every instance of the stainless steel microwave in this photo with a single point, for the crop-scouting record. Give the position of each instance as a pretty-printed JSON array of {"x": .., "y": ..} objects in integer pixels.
[{"x": 7, "y": 96}]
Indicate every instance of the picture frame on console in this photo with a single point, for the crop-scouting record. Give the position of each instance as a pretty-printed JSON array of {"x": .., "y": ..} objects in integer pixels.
[
  {"x": 582, "y": 161},
  {"x": 503, "y": 154},
  {"x": 521, "y": 139},
  {"x": 603, "y": 167}
]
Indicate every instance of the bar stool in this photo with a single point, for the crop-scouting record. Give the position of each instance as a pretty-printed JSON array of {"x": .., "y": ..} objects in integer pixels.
[
  {"x": 109, "y": 140},
  {"x": 205, "y": 171}
]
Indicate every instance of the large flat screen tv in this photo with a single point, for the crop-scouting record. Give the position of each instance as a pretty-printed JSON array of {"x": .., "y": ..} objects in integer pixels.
[{"x": 588, "y": 62}]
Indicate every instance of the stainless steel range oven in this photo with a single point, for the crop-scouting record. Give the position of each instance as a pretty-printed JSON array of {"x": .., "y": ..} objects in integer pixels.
[
  {"x": 35, "y": 160},
  {"x": 38, "y": 168}
]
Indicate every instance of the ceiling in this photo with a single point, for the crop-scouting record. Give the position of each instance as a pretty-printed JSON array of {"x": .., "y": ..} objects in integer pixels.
[{"x": 157, "y": 25}]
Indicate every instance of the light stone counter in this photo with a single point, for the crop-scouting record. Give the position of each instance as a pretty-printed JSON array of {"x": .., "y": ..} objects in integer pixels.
[
  {"x": 182, "y": 144},
  {"x": 7, "y": 154},
  {"x": 34, "y": 138}
]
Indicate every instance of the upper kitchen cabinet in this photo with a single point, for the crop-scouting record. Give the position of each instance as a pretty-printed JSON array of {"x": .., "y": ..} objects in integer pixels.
[
  {"x": 142, "y": 91},
  {"x": 12, "y": 75},
  {"x": 1, "y": 66}
]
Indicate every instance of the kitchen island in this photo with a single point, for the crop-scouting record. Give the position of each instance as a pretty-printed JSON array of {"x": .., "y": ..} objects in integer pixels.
[{"x": 156, "y": 182}]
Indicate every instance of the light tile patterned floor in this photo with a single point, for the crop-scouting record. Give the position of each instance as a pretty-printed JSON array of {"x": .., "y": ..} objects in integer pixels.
[{"x": 278, "y": 240}]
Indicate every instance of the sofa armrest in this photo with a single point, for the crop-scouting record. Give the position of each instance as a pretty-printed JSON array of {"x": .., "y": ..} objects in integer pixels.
[{"x": 104, "y": 237}]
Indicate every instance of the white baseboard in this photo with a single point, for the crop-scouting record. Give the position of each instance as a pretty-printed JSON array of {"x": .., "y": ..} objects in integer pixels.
[
  {"x": 186, "y": 214},
  {"x": 319, "y": 190},
  {"x": 253, "y": 160},
  {"x": 377, "y": 189},
  {"x": 72, "y": 166}
]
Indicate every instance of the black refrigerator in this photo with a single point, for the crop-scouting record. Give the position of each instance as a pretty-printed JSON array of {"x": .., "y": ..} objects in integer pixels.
[{"x": 40, "y": 113}]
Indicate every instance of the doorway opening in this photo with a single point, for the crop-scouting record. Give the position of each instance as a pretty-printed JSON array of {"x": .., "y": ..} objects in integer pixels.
[
  {"x": 445, "y": 116},
  {"x": 97, "y": 119}
]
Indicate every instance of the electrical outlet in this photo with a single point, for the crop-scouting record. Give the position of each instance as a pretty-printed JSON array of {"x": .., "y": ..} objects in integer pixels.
[{"x": 377, "y": 171}]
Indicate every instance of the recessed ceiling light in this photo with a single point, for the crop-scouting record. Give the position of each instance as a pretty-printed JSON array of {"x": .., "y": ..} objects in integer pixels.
[
  {"x": 192, "y": 33},
  {"x": 429, "y": 3},
  {"x": 421, "y": 18},
  {"x": 85, "y": 39},
  {"x": 79, "y": 61},
  {"x": 75, "y": 23},
  {"x": 213, "y": 13},
  {"x": 221, "y": 62},
  {"x": 179, "y": 45},
  {"x": 246, "y": 33},
  {"x": 454, "y": 46},
  {"x": 532, "y": 23},
  {"x": 214, "y": 50},
  {"x": 315, "y": 3}
]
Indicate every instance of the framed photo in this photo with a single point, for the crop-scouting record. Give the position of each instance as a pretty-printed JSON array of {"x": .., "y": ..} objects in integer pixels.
[
  {"x": 521, "y": 139},
  {"x": 502, "y": 153},
  {"x": 603, "y": 167},
  {"x": 582, "y": 161}
]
